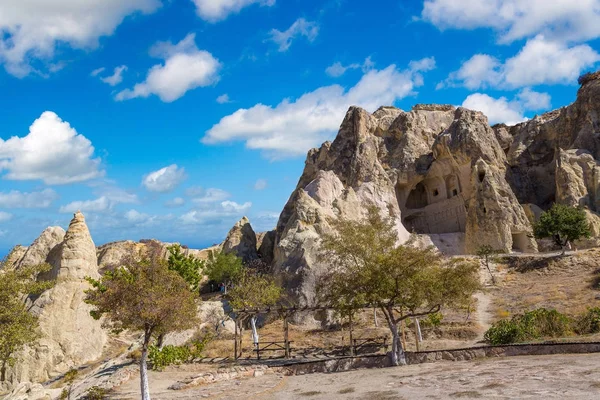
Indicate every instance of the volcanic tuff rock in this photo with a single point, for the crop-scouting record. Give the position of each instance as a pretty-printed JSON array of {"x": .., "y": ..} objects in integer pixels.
[
  {"x": 241, "y": 241},
  {"x": 443, "y": 172},
  {"x": 69, "y": 335}
]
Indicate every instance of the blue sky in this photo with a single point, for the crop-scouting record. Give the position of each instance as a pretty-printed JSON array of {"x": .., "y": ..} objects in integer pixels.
[{"x": 172, "y": 119}]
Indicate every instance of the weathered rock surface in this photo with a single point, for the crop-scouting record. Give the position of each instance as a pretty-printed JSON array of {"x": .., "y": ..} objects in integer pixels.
[
  {"x": 69, "y": 335},
  {"x": 445, "y": 173},
  {"x": 241, "y": 241}
]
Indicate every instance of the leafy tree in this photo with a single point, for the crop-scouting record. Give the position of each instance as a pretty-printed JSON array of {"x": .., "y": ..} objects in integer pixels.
[
  {"x": 224, "y": 268},
  {"x": 18, "y": 327},
  {"x": 188, "y": 267},
  {"x": 366, "y": 266},
  {"x": 485, "y": 252},
  {"x": 254, "y": 291},
  {"x": 144, "y": 295},
  {"x": 69, "y": 380},
  {"x": 563, "y": 224}
]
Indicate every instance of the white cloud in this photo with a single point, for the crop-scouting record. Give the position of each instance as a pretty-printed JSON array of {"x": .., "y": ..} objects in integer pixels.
[
  {"x": 30, "y": 30},
  {"x": 260, "y": 184},
  {"x": 533, "y": 100},
  {"x": 337, "y": 69},
  {"x": 294, "y": 126},
  {"x": 564, "y": 20},
  {"x": 224, "y": 209},
  {"x": 165, "y": 179},
  {"x": 101, "y": 204},
  {"x": 185, "y": 68},
  {"x": 4, "y": 216},
  {"x": 502, "y": 110},
  {"x": 16, "y": 199},
  {"x": 223, "y": 99},
  {"x": 539, "y": 62},
  {"x": 52, "y": 152},
  {"x": 97, "y": 71},
  {"x": 218, "y": 10},
  {"x": 301, "y": 27},
  {"x": 116, "y": 77},
  {"x": 176, "y": 202},
  {"x": 210, "y": 195}
]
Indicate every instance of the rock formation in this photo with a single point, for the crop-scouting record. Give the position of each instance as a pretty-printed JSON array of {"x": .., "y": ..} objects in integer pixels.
[
  {"x": 69, "y": 335},
  {"x": 241, "y": 241},
  {"x": 443, "y": 173}
]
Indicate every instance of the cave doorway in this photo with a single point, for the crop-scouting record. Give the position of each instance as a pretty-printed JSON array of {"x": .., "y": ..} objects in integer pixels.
[
  {"x": 417, "y": 198},
  {"x": 520, "y": 242}
]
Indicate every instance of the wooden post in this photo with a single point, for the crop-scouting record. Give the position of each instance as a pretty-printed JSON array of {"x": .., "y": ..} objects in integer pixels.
[
  {"x": 403, "y": 334},
  {"x": 241, "y": 337},
  {"x": 375, "y": 314},
  {"x": 235, "y": 346},
  {"x": 351, "y": 336},
  {"x": 286, "y": 336},
  {"x": 417, "y": 333}
]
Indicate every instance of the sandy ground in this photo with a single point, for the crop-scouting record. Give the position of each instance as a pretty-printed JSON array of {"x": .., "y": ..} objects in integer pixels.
[{"x": 533, "y": 377}]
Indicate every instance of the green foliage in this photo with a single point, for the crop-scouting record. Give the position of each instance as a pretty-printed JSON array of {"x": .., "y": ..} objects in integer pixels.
[
  {"x": 532, "y": 325},
  {"x": 96, "y": 393},
  {"x": 588, "y": 322},
  {"x": 563, "y": 224},
  {"x": 188, "y": 267},
  {"x": 254, "y": 291},
  {"x": 18, "y": 327},
  {"x": 366, "y": 266},
  {"x": 175, "y": 355},
  {"x": 224, "y": 268},
  {"x": 143, "y": 295}
]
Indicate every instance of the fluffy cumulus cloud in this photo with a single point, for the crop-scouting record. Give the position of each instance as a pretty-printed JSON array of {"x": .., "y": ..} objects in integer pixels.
[
  {"x": 540, "y": 61},
  {"x": 563, "y": 20},
  {"x": 98, "y": 205},
  {"x": 300, "y": 28},
  {"x": 4, "y": 216},
  {"x": 210, "y": 195},
  {"x": 218, "y": 10},
  {"x": 30, "y": 30},
  {"x": 511, "y": 112},
  {"x": 53, "y": 152},
  {"x": 108, "y": 198},
  {"x": 175, "y": 202},
  {"x": 17, "y": 199},
  {"x": 185, "y": 68},
  {"x": 294, "y": 126},
  {"x": 116, "y": 77},
  {"x": 165, "y": 179}
]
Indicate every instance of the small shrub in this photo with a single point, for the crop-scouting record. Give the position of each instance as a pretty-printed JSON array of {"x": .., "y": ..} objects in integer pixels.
[
  {"x": 503, "y": 332},
  {"x": 135, "y": 355},
  {"x": 588, "y": 322},
  {"x": 532, "y": 325},
  {"x": 96, "y": 393},
  {"x": 175, "y": 355}
]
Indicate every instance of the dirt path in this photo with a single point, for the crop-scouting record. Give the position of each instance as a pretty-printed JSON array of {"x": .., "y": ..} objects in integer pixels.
[{"x": 536, "y": 377}]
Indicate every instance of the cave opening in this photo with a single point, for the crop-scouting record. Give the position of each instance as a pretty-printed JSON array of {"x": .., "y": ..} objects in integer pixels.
[{"x": 417, "y": 198}]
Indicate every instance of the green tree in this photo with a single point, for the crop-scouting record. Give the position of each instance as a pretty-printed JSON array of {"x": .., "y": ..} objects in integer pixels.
[
  {"x": 187, "y": 266},
  {"x": 144, "y": 295},
  {"x": 224, "y": 268},
  {"x": 254, "y": 291},
  {"x": 18, "y": 327},
  {"x": 486, "y": 252},
  {"x": 403, "y": 281},
  {"x": 563, "y": 224}
]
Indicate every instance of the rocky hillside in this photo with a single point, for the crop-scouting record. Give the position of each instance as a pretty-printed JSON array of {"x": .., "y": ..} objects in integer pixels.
[{"x": 445, "y": 173}]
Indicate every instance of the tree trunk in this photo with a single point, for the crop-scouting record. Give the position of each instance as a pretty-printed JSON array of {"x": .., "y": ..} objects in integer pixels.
[
  {"x": 3, "y": 371},
  {"x": 398, "y": 356},
  {"x": 144, "y": 366},
  {"x": 254, "y": 330}
]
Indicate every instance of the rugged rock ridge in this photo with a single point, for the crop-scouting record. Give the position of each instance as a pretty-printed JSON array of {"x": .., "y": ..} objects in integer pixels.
[
  {"x": 444, "y": 173},
  {"x": 69, "y": 335}
]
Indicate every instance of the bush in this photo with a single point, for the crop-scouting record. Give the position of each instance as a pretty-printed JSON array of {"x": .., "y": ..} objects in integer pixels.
[
  {"x": 588, "y": 322},
  {"x": 169, "y": 355},
  {"x": 532, "y": 325},
  {"x": 96, "y": 393}
]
